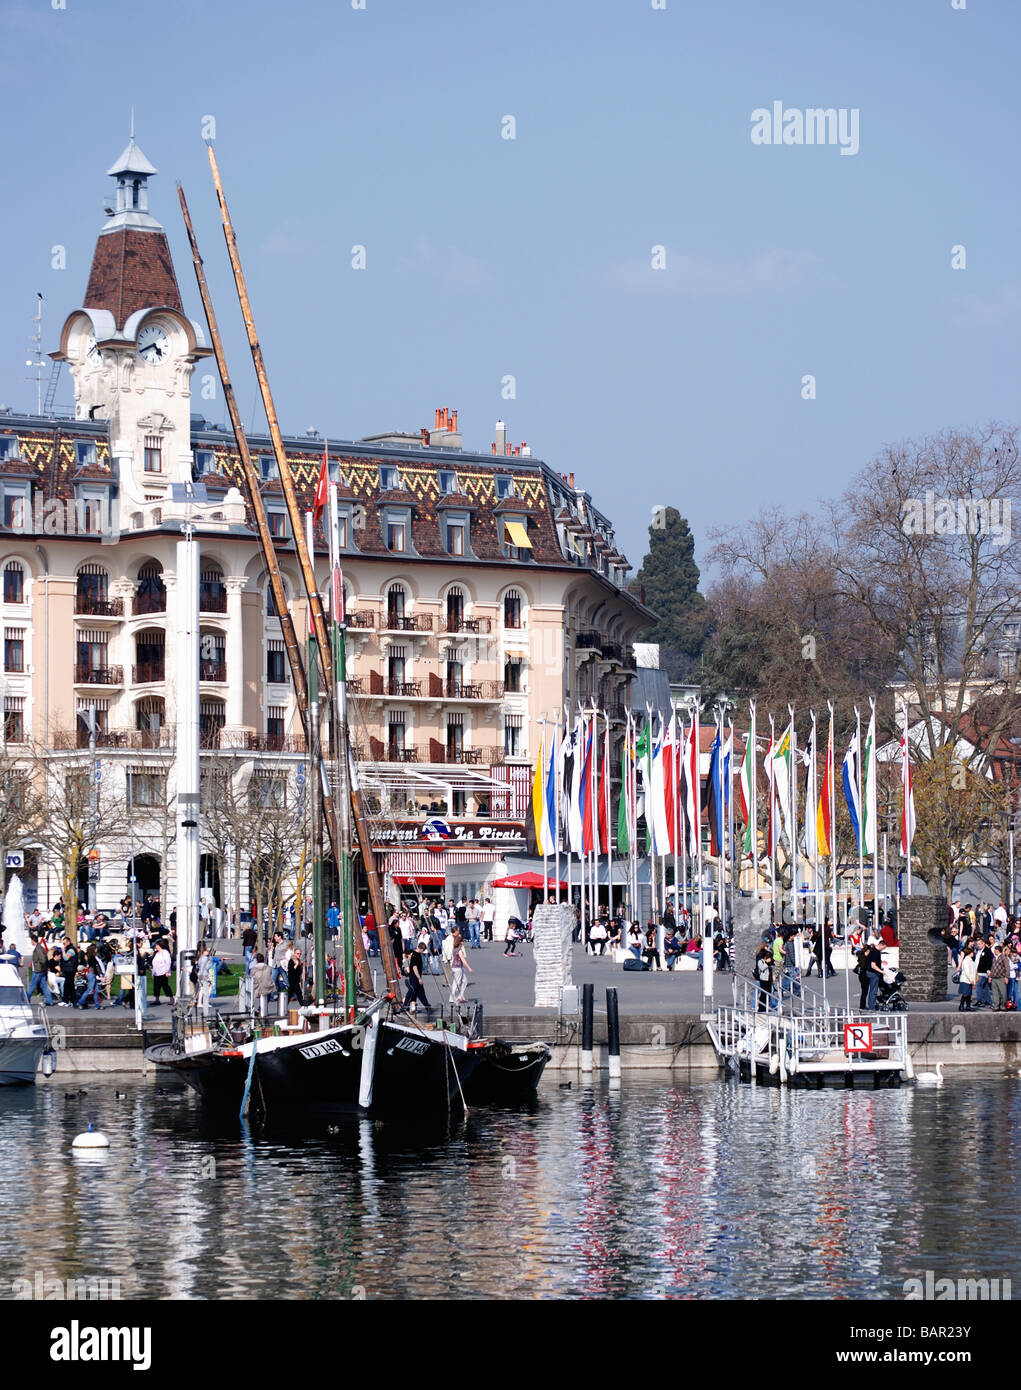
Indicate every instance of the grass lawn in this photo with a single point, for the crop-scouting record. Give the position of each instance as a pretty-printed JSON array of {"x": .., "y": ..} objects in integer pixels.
[{"x": 226, "y": 982}]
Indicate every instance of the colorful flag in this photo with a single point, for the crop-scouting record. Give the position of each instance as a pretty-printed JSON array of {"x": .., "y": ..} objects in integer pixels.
[
  {"x": 851, "y": 775},
  {"x": 714, "y": 796},
  {"x": 811, "y": 808},
  {"x": 780, "y": 776},
  {"x": 550, "y": 814},
  {"x": 575, "y": 830},
  {"x": 604, "y": 795},
  {"x": 670, "y": 783},
  {"x": 658, "y": 820},
  {"x": 693, "y": 789},
  {"x": 823, "y": 828},
  {"x": 868, "y": 816},
  {"x": 625, "y": 807},
  {"x": 586, "y": 795},
  {"x": 568, "y": 755},
  {"x": 746, "y": 793}
]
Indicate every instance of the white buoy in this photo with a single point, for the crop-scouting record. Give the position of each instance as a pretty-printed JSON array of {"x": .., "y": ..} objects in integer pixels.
[{"x": 91, "y": 1139}]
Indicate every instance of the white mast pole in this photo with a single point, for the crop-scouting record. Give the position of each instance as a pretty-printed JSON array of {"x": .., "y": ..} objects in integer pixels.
[
  {"x": 187, "y": 692},
  {"x": 753, "y": 809}
]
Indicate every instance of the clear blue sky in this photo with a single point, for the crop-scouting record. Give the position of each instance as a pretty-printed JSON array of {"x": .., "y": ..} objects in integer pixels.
[{"x": 531, "y": 257}]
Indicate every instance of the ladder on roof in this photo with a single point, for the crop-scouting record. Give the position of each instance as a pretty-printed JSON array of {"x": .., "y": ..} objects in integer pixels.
[{"x": 51, "y": 387}]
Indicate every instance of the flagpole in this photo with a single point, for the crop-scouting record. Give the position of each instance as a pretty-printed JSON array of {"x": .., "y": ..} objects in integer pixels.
[
  {"x": 729, "y": 773},
  {"x": 753, "y": 809},
  {"x": 793, "y": 823},
  {"x": 538, "y": 828},
  {"x": 907, "y": 792},
  {"x": 831, "y": 762},
  {"x": 873, "y": 779},
  {"x": 813, "y": 812},
  {"x": 861, "y": 816},
  {"x": 608, "y": 803},
  {"x": 675, "y": 782},
  {"x": 771, "y": 831},
  {"x": 594, "y": 815},
  {"x": 683, "y": 766},
  {"x": 556, "y": 796}
]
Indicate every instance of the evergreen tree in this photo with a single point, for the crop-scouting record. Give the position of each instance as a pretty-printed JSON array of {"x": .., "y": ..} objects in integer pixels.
[{"x": 668, "y": 582}]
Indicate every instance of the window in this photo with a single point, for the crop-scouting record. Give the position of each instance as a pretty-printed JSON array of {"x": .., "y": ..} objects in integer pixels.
[
  {"x": 512, "y": 676},
  {"x": 92, "y": 512},
  {"x": 448, "y": 482},
  {"x": 14, "y": 583},
  {"x": 1008, "y": 663},
  {"x": 151, "y": 594},
  {"x": 388, "y": 477},
  {"x": 149, "y": 717},
  {"x": 504, "y": 487},
  {"x": 153, "y": 454},
  {"x": 395, "y": 667},
  {"x": 275, "y": 716},
  {"x": 512, "y": 734},
  {"x": 212, "y": 656},
  {"x": 455, "y": 736},
  {"x": 269, "y": 471},
  {"x": 92, "y": 589},
  {"x": 93, "y": 652},
  {"x": 395, "y": 735},
  {"x": 277, "y": 523},
  {"x": 516, "y": 545},
  {"x": 276, "y": 662},
  {"x": 267, "y": 790},
  {"x": 455, "y": 537},
  {"x": 14, "y": 510},
  {"x": 396, "y": 604},
  {"x": 512, "y": 608},
  {"x": 395, "y": 531},
  {"x": 205, "y": 462},
  {"x": 84, "y": 452},
  {"x": 271, "y": 603},
  {"x": 150, "y": 656},
  {"x": 8, "y": 447},
  {"x": 212, "y": 717},
  {"x": 212, "y": 591},
  {"x": 147, "y": 786},
  {"x": 14, "y": 719},
  {"x": 455, "y": 610},
  {"x": 87, "y": 710},
  {"x": 14, "y": 649},
  {"x": 455, "y": 678},
  {"x": 1012, "y": 631},
  {"x": 342, "y": 532}
]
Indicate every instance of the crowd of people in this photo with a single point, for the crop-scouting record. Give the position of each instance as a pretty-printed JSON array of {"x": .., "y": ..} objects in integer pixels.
[
  {"x": 80, "y": 973},
  {"x": 984, "y": 946}
]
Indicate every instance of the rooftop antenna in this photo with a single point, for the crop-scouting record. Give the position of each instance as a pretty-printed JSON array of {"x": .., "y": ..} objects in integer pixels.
[{"x": 36, "y": 360}]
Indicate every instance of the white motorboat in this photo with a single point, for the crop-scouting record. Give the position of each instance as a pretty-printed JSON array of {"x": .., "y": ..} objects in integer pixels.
[{"x": 23, "y": 1041}]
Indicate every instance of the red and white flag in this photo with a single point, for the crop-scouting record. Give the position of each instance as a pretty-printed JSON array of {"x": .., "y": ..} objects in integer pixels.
[
  {"x": 322, "y": 489},
  {"x": 907, "y": 823}
]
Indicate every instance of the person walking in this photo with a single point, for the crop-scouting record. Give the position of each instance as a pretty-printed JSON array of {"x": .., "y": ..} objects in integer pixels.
[
  {"x": 262, "y": 982},
  {"x": 416, "y": 987},
  {"x": 999, "y": 977},
  {"x": 93, "y": 974},
  {"x": 984, "y": 964},
  {"x": 763, "y": 970},
  {"x": 474, "y": 925},
  {"x": 488, "y": 916},
  {"x": 68, "y": 970},
  {"x": 967, "y": 973},
  {"x": 40, "y": 969},
  {"x": 161, "y": 965},
  {"x": 458, "y": 968},
  {"x": 875, "y": 972},
  {"x": 295, "y": 978},
  {"x": 202, "y": 971},
  {"x": 249, "y": 941},
  {"x": 514, "y": 930}
]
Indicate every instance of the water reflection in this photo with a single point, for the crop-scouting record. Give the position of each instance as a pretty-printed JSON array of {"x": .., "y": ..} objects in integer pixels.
[{"x": 657, "y": 1189}]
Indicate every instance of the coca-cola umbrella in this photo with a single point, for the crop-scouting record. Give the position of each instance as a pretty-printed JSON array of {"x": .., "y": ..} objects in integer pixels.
[{"x": 528, "y": 880}]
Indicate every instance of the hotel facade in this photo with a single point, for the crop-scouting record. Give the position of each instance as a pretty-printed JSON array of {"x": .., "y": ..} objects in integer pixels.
[{"x": 484, "y": 593}]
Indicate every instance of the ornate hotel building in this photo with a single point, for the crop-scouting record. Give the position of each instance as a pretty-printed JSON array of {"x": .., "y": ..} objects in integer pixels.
[{"x": 484, "y": 592}]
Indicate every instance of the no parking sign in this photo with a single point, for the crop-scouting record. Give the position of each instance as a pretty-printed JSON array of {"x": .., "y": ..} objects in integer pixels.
[{"x": 857, "y": 1037}]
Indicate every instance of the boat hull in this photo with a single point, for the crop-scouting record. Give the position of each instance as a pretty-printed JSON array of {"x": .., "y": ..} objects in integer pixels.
[
  {"x": 20, "y": 1058},
  {"x": 507, "y": 1073},
  {"x": 218, "y": 1077}
]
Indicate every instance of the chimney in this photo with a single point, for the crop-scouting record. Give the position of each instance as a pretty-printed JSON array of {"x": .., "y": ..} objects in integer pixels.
[
  {"x": 570, "y": 480},
  {"x": 525, "y": 450},
  {"x": 492, "y": 447},
  {"x": 501, "y": 437},
  {"x": 436, "y": 421},
  {"x": 453, "y": 421},
  {"x": 507, "y": 448},
  {"x": 517, "y": 450},
  {"x": 425, "y": 436}
]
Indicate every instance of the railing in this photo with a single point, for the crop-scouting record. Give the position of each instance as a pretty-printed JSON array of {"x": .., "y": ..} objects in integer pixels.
[
  {"x": 265, "y": 743},
  {"x": 355, "y": 685},
  {"x": 473, "y": 690},
  {"x": 149, "y": 603},
  {"x": 589, "y": 640},
  {"x": 213, "y": 670},
  {"x": 145, "y": 672},
  {"x": 611, "y": 651},
  {"x": 210, "y": 736},
  {"x": 126, "y": 738},
  {"x": 468, "y": 756},
  {"x": 88, "y": 606},
  {"x": 212, "y": 599},
  {"x": 406, "y": 689},
  {"x": 455, "y": 624},
  {"x": 362, "y": 619},
  {"x": 98, "y": 675},
  {"x": 420, "y": 622},
  {"x": 392, "y": 754}
]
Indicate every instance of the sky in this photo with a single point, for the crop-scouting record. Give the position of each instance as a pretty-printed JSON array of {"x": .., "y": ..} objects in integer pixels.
[{"x": 529, "y": 265}]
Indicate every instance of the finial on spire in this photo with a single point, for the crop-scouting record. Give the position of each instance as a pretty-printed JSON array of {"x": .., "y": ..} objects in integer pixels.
[{"x": 132, "y": 130}]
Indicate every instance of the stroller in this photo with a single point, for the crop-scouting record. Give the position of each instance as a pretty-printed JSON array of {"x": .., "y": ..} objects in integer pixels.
[{"x": 888, "y": 995}]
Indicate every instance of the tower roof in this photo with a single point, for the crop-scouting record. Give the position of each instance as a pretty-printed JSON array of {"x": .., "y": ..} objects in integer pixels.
[
  {"x": 132, "y": 161},
  {"x": 132, "y": 269}
]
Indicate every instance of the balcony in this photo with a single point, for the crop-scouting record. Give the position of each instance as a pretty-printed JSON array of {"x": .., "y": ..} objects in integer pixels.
[
  {"x": 147, "y": 672},
  {"x": 126, "y": 738},
  {"x": 458, "y": 624},
  {"x": 611, "y": 651},
  {"x": 394, "y": 754},
  {"x": 209, "y": 735},
  {"x": 469, "y": 690},
  {"x": 212, "y": 598},
  {"x": 214, "y": 670},
  {"x": 469, "y": 757},
  {"x": 362, "y": 619},
  {"x": 98, "y": 675},
  {"x": 356, "y": 685},
  {"x": 588, "y": 641},
  {"x": 420, "y": 622},
  {"x": 89, "y": 606},
  {"x": 148, "y": 603},
  {"x": 406, "y": 690},
  {"x": 265, "y": 743}
]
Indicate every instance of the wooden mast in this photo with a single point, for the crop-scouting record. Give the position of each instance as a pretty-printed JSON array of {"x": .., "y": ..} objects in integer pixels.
[
  {"x": 308, "y": 578},
  {"x": 255, "y": 501}
]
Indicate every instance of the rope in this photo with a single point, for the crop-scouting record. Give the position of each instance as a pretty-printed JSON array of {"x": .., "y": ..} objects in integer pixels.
[{"x": 248, "y": 1079}]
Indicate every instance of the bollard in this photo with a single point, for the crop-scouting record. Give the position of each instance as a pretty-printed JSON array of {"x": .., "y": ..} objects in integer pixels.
[
  {"x": 612, "y": 1033},
  {"x": 587, "y": 1012}
]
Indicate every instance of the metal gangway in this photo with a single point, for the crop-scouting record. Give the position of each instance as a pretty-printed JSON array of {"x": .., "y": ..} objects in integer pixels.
[{"x": 793, "y": 1035}]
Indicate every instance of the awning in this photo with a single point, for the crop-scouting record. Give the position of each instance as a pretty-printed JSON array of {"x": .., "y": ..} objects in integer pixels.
[
  {"x": 527, "y": 880},
  {"x": 517, "y": 535}
]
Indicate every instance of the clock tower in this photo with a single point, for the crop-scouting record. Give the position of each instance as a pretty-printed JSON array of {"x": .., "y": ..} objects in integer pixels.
[{"x": 130, "y": 348}]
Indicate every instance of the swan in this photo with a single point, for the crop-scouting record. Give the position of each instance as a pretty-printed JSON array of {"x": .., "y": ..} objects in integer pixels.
[{"x": 931, "y": 1078}]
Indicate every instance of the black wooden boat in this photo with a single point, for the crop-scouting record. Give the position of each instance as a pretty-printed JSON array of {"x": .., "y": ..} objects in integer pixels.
[{"x": 508, "y": 1072}]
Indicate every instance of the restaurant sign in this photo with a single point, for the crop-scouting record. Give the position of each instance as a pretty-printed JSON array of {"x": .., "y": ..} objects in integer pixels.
[{"x": 472, "y": 832}]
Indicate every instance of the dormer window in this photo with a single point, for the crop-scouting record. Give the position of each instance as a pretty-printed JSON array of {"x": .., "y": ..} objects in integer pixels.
[
  {"x": 153, "y": 453},
  {"x": 516, "y": 545},
  {"x": 396, "y": 536},
  {"x": 205, "y": 462},
  {"x": 389, "y": 479},
  {"x": 84, "y": 452},
  {"x": 268, "y": 470},
  {"x": 277, "y": 524},
  {"x": 504, "y": 487},
  {"x": 448, "y": 482},
  {"x": 8, "y": 447},
  {"x": 456, "y": 537}
]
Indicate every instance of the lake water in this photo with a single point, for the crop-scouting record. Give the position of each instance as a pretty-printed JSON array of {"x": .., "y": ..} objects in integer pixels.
[{"x": 658, "y": 1189}]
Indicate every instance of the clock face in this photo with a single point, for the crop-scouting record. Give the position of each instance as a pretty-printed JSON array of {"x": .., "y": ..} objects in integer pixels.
[
  {"x": 92, "y": 353},
  {"x": 153, "y": 344}
]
